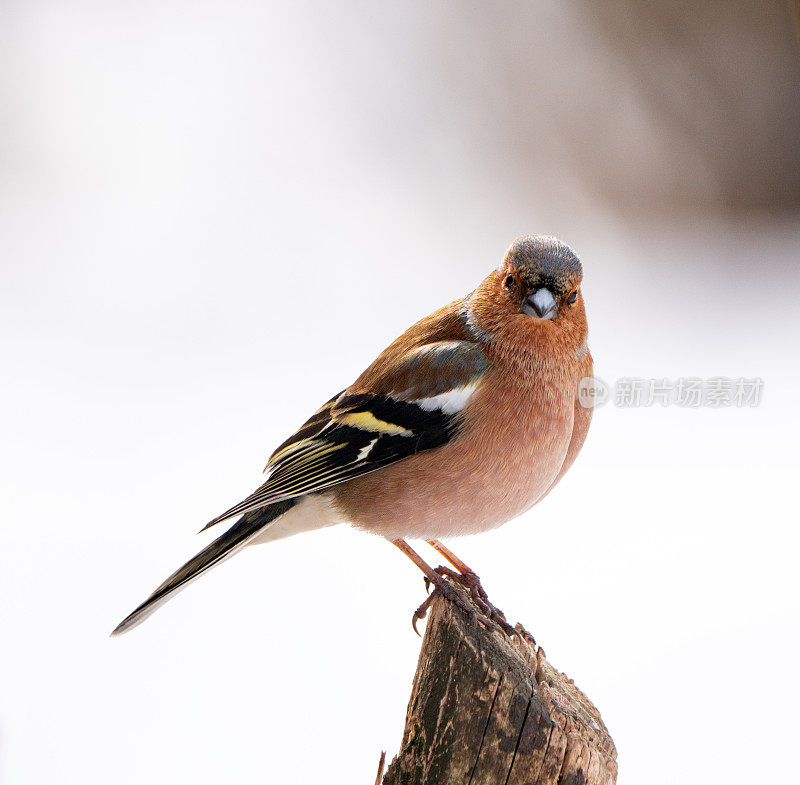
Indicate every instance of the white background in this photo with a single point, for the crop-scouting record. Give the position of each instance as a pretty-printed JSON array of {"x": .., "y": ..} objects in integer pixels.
[{"x": 212, "y": 217}]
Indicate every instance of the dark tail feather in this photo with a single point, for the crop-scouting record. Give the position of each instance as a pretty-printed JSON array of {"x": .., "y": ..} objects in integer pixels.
[{"x": 235, "y": 538}]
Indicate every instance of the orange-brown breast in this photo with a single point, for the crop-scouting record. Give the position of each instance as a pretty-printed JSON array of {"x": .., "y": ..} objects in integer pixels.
[{"x": 515, "y": 437}]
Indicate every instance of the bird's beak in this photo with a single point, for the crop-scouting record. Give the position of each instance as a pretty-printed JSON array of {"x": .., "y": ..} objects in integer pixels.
[{"x": 540, "y": 304}]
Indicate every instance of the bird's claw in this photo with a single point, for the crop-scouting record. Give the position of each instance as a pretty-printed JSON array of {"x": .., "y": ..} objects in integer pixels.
[
  {"x": 450, "y": 592},
  {"x": 476, "y": 603},
  {"x": 422, "y": 611},
  {"x": 471, "y": 582}
]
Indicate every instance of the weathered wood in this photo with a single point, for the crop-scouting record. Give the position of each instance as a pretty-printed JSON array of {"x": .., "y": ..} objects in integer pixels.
[
  {"x": 488, "y": 711},
  {"x": 381, "y": 764}
]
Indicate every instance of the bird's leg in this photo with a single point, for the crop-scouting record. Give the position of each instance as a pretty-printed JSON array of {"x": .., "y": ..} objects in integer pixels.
[
  {"x": 468, "y": 578},
  {"x": 441, "y": 586},
  {"x": 451, "y": 557}
]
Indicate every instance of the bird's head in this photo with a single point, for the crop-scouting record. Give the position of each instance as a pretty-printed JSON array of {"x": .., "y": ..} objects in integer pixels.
[{"x": 533, "y": 296}]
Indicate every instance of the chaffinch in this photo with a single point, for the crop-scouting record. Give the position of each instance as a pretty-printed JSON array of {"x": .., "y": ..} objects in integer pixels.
[{"x": 464, "y": 422}]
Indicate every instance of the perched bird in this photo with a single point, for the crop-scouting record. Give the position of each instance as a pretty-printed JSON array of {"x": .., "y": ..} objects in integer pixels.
[{"x": 464, "y": 422}]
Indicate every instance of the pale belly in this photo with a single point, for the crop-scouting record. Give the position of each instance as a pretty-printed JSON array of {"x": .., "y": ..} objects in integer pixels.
[
  {"x": 484, "y": 478},
  {"x": 315, "y": 511}
]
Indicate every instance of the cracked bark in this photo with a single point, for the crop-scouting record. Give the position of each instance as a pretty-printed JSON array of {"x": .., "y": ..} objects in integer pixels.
[{"x": 488, "y": 711}]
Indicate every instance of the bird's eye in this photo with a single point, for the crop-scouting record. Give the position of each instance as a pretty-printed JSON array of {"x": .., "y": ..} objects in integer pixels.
[
  {"x": 509, "y": 281},
  {"x": 574, "y": 296}
]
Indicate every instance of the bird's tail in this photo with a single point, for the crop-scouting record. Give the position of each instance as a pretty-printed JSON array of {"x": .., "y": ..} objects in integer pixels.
[{"x": 247, "y": 527}]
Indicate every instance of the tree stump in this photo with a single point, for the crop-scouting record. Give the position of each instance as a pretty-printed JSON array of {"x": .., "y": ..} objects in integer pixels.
[{"x": 486, "y": 710}]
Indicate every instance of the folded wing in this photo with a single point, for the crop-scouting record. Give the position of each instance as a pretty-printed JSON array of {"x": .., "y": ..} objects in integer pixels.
[{"x": 394, "y": 410}]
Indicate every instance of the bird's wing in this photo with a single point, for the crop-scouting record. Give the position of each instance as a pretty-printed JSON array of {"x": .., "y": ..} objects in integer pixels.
[{"x": 398, "y": 407}]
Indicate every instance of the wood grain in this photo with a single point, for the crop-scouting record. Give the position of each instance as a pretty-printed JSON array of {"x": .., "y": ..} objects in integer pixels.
[{"x": 485, "y": 710}]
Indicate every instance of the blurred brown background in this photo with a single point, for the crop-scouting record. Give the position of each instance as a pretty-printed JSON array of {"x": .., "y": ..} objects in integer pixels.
[{"x": 647, "y": 106}]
